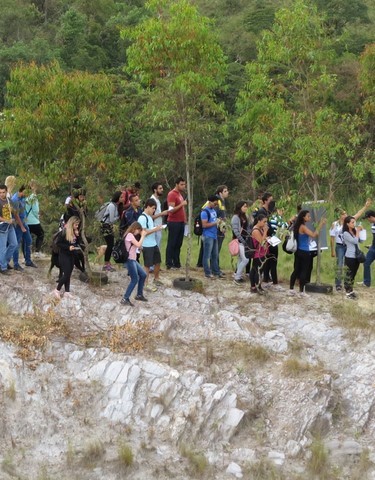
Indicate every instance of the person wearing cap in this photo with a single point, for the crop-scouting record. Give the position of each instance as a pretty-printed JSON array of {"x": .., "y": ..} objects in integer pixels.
[{"x": 370, "y": 257}]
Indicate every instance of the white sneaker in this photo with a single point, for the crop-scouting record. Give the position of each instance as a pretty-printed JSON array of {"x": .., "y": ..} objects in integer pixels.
[
  {"x": 303, "y": 295},
  {"x": 68, "y": 295},
  {"x": 266, "y": 285},
  {"x": 278, "y": 288},
  {"x": 291, "y": 293},
  {"x": 57, "y": 293}
]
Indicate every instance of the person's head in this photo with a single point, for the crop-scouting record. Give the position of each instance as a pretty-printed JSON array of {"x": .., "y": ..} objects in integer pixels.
[
  {"x": 33, "y": 185},
  {"x": 349, "y": 224},
  {"x": 22, "y": 191},
  {"x": 10, "y": 182},
  {"x": 370, "y": 216},
  {"x": 212, "y": 201},
  {"x": 341, "y": 212},
  {"x": 71, "y": 226},
  {"x": 134, "y": 200},
  {"x": 266, "y": 198},
  {"x": 135, "y": 228},
  {"x": 222, "y": 191},
  {"x": 157, "y": 189},
  {"x": 3, "y": 192},
  {"x": 260, "y": 220},
  {"x": 150, "y": 206},
  {"x": 241, "y": 208},
  {"x": 79, "y": 193},
  {"x": 302, "y": 218},
  {"x": 116, "y": 197},
  {"x": 180, "y": 184}
]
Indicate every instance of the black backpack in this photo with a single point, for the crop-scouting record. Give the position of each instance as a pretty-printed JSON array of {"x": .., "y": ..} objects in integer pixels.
[
  {"x": 119, "y": 253},
  {"x": 198, "y": 228},
  {"x": 249, "y": 247}
]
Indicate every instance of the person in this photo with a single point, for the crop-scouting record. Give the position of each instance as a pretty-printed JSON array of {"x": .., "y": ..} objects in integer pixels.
[
  {"x": 275, "y": 221},
  {"x": 209, "y": 239},
  {"x": 157, "y": 192},
  {"x": 337, "y": 246},
  {"x": 10, "y": 183},
  {"x": 32, "y": 218},
  {"x": 259, "y": 235},
  {"x": 110, "y": 217},
  {"x": 150, "y": 248},
  {"x": 303, "y": 257},
  {"x": 267, "y": 205},
  {"x": 8, "y": 238},
  {"x": 176, "y": 224},
  {"x": 370, "y": 256},
  {"x": 135, "y": 270},
  {"x": 76, "y": 203},
  {"x": 131, "y": 214},
  {"x": 350, "y": 236},
  {"x": 68, "y": 242},
  {"x": 241, "y": 231},
  {"x": 22, "y": 230}
]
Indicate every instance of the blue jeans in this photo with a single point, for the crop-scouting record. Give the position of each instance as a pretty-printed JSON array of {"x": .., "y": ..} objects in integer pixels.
[
  {"x": 340, "y": 258},
  {"x": 26, "y": 237},
  {"x": 210, "y": 256},
  {"x": 137, "y": 276},
  {"x": 8, "y": 244},
  {"x": 370, "y": 257}
]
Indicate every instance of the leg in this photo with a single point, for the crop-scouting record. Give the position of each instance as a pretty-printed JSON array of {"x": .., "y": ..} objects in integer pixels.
[
  {"x": 241, "y": 263},
  {"x": 220, "y": 240},
  {"x": 141, "y": 279},
  {"x": 351, "y": 265},
  {"x": 27, "y": 244},
  {"x": 110, "y": 241},
  {"x": 340, "y": 256},
  {"x": 38, "y": 231},
  {"x": 66, "y": 262},
  {"x": 179, "y": 241},
  {"x": 370, "y": 257},
  {"x": 171, "y": 242},
  {"x": 133, "y": 273},
  {"x": 200, "y": 256},
  {"x": 254, "y": 273},
  {"x": 305, "y": 268},
  {"x": 214, "y": 260},
  {"x": 295, "y": 273},
  {"x": 207, "y": 250},
  {"x": 18, "y": 232}
]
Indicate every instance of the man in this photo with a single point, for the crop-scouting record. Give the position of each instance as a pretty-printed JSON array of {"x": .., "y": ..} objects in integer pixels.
[
  {"x": 267, "y": 206},
  {"x": 32, "y": 218},
  {"x": 150, "y": 248},
  {"x": 132, "y": 214},
  {"x": 209, "y": 239},
  {"x": 370, "y": 257},
  {"x": 8, "y": 238},
  {"x": 176, "y": 224},
  {"x": 157, "y": 192},
  {"x": 22, "y": 231}
]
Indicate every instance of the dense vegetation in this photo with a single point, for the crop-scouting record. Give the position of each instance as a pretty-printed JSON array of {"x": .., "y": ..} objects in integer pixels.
[{"x": 259, "y": 95}]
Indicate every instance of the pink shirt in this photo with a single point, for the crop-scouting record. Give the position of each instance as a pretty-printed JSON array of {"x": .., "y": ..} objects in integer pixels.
[
  {"x": 261, "y": 250},
  {"x": 129, "y": 239}
]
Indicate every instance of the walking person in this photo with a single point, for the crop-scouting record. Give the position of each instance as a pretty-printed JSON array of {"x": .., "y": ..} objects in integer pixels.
[
  {"x": 303, "y": 258},
  {"x": 135, "y": 270},
  {"x": 241, "y": 231},
  {"x": 350, "y": 237},
  {"x": 110, "y": 217},
  {"x": 32, "y": 218},
  {"x": 259, "y": 235},
  {"x": 370, "y": 257},
  {"x": 68, "y": 243}
]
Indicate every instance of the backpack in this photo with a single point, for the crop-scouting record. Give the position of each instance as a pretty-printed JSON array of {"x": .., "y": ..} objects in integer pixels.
[
  {"x": 198, "y": 228},
  {"x": 119, "y": 253},
  {"x": 290, "y": 244},
  {"x": 249, "y": 247},
  {"x": 54, "y": 248},
  {"x": 102, "y": 215}
]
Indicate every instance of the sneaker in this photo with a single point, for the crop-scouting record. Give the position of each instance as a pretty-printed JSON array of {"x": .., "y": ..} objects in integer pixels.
[
  {"x": 277, "y": 287},
  {"x": 5, "y": 272},
  {"x": 267, "y": 285},
  {"x": 31, "y": 264},
  {"x": 220, "y": 276},
  {"x": 108, "y": 268},
  {"x": 303, "y": 295},
  {"x": 158, "y": 283},
  {"x": 68, "y": 295},
  {"x": 126, "y": 302},
  {"x": 141, "y": 298},
  {"x": 260, "y": 290},
  {"x": 291, "y": 293},
  {"x": 57, "y": 293},
  {"x": 253, "y": 290},
  {"x": 338, "y": 288},
  {"x": 211, "y": 277},
  {"x": 362, "y": 284},
  {"x": 18, "y": 268},
  {"x": 239, "y": 281},
  {"x": 9, "y": 267},
  {"x": 351, "y": 295},
  {"x": 151, "y": 288}
]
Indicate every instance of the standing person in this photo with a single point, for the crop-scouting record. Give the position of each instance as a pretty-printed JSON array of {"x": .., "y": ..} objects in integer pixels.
[
  {"x": 176, "y": 224},
  {"x": 157, "y": 192},
  {"x": 110, "y": 217},
  {"x": 68, "y": 242},
  {"x": 32, "y": 218},
  {"x": 209, "y": 239},
  {"x": 131, "y": 214},
  {"x": 337, "y": 246},
  {"x": 275, "y": 221},
  {"x": 8, "y": 238},
  {"x": 241, "y": 231},
  {"x": 303, "y": 258},
  {"x": 370, "y": 257},
  {"x": 150, "y": 248},
  {"x": 22, "y": 230},
  {"x": 267, "y": 205},
  {"x": 350, "y": 237},
  {"x": 77, "y": 204},
  {"x": 259, "y": 235},
  {"x": 135, "y": 270},
  {"x": 10, "y": 183}
]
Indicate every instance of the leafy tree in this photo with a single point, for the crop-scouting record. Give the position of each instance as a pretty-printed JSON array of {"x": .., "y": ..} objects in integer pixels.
[{"x": 176, "y": 55}]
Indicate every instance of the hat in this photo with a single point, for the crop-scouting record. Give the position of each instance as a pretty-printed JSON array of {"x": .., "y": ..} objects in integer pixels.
[{"x": 369, "y": 213}]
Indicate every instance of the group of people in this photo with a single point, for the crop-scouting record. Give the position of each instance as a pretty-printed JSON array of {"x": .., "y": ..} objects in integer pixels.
[{"x": 141, "y": 231}]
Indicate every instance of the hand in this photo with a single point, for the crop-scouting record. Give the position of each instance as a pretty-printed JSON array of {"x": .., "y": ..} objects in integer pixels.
[
  {"x": 333, "y": 254},
  {"x": 144, "y": 233},
  {"x": 368, "y": 202},
  {"x": 164, "y": 212},
  {"x": 23, "y": 229},
  {"x": 159, "y": 227},
  {"x": 184, "y": 202},
  {"x": 71, "y": 248}
]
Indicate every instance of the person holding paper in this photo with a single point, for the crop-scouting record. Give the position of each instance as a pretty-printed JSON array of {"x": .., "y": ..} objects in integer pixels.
[{"x": 275, "y": 222}]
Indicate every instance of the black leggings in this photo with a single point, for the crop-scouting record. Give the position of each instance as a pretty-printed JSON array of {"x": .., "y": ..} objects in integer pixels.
[
  {"x": 270, "y": 266},
  {"x": 66, "y": 261},
  {"x": 302, "y": 269},
  {"x": 110, "y": 241},
  {"x": 38, "y": 231},
  {"x": 256, "y": 271},
  {"x": 352, "y": 265}
]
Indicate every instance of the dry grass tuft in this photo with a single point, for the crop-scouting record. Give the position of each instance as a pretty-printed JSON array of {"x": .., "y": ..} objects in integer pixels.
[
  {"x": 248, "y": 352},
  {"x": 197, "y": 461},
  {"x": 293, "y": 367},
  {"x": 125, "y": 455},
  {"x": 93, "y": 452},
  {"x": 263, "y": 469},
  {"x": 350, "y": 316},
  {"x": 132, "y": 337}
]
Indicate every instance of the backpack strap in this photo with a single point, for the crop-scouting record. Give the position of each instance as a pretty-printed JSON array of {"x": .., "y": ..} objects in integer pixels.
[{"x": 144, "y": 215}]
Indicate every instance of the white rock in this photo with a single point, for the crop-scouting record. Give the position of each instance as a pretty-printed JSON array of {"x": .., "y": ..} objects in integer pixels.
[
  {"x": 234, "y": 469},
  {"x": 278, "y": 458}
]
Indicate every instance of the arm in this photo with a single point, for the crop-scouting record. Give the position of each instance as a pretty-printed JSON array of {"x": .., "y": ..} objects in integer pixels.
[
  {"x": 259, "y": 235},
  {"x": 113, "y": 213},
  {"x": 205, "y": 222},
  {"x": 236, "y": 229},
  {"x": 138, "y": 243},
  {"x": 172, "y": 204},
  {"x": 332, "y": 238},
  {"x": 360, "y": 212},
  {"x": 310, "y": 233}
]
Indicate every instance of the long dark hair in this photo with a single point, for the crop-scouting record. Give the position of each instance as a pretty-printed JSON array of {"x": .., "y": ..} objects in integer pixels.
[
  {"x": 259, "y": 218},
  {"x": 300, "y": 220},
  {"x": 240, "y": 213},
  {"x": 116, "y": 197},
  {"x": 345, "y": 226}
]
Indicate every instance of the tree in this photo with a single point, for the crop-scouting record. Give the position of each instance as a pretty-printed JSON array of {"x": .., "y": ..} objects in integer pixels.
[{"x": 176, "y": 56}]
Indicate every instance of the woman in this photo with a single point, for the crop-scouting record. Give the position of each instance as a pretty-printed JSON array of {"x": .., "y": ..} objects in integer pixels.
[
  {"x": 259, "y": 236},
  {"x": 241, "y": 231},
  {"x": 110, "y": 217},
  {"x": 135, "y": 270},
  {"x": 351, "y": 239},
  {"x": 68, "y": 243},
  {"x": 303, "y": 258},
  {"x": 337, "y": 245},
  {"x": 32, "y": 217}
]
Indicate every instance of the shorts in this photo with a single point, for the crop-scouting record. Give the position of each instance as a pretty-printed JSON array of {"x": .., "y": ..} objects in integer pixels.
[{"x": 151, "y": 256}]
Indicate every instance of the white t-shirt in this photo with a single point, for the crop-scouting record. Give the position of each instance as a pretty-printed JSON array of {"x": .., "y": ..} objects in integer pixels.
[
  {"x": 158, "y": 221},
  {"x": 336, "y": 231}
]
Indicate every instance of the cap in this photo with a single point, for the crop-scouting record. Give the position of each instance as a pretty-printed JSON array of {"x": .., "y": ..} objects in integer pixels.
[{"x": 369, "y": 213}]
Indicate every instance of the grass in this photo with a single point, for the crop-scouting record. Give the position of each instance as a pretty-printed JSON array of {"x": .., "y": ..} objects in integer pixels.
[
  {"x": 263, "y": 469},
  {"x": 248, "y": 352},
  {"x": 125, "y": 455},
  {"x": 351, "y": 317},
  {"x": 198, "y": 462},
  {"x": 318, "y": 463},
  {"x": 93, "y": 452},
  {"x": 293, "y": 367},
  {"x": 11, "y": 392}
]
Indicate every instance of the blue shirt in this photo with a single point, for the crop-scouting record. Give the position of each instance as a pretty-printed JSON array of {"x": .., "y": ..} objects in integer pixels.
[
  {"x": 303, "y": 242},
  {"x": 210, "y": 231},
  {"x": 148, "y": 224},
  {"x": 20, "y": 206}
]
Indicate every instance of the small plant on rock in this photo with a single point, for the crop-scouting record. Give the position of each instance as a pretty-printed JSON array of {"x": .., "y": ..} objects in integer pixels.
[{"x": 125, "y": 455}]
